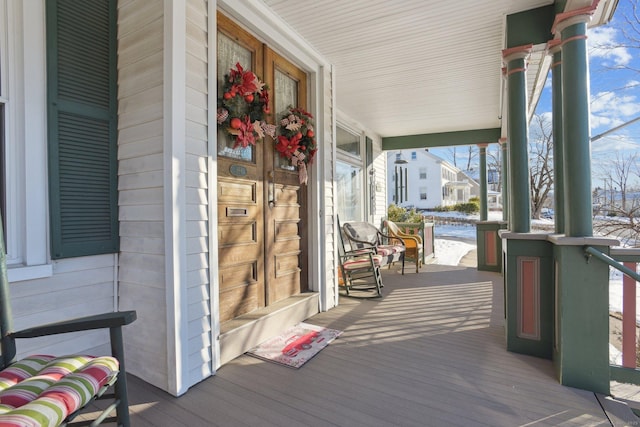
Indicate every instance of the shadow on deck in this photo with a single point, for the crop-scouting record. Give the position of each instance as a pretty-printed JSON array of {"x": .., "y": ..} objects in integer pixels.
[{"x": 431, "y": 352}]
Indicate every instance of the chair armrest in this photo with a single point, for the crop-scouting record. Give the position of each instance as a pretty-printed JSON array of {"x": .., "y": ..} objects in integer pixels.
[
  {"x": 391, "y": 237},
  {"x": 416, "y": 239},
  {"x": 100, "y": 321}
]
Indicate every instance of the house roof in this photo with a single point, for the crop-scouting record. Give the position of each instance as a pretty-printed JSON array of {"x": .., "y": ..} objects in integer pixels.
[{"x": 416, "y": 67}]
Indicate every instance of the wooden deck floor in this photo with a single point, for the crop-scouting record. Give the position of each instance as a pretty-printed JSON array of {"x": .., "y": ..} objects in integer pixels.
[{"x": 431, "y": 352}]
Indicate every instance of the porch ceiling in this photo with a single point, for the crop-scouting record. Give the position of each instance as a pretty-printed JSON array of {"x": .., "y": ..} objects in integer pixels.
[{"x": 415, "y": 67}]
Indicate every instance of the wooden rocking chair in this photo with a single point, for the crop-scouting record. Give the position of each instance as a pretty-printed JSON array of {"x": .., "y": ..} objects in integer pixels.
[
  {"x": 51, "y": 391},
  {"x": 359, "y": 269}
]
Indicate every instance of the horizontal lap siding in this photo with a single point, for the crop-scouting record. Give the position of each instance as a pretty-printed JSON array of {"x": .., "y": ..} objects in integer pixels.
[
  {"x": 198, "y": 287},
  {"x": 380, "y": 166},
  {"x": 63, "y": 296},
  {"x": 329, "y": 190},
  {"x": 140, "y": 184}
]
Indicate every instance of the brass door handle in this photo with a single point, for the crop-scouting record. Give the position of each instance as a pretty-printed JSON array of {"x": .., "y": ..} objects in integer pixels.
[{"x": 271, "y": 191}]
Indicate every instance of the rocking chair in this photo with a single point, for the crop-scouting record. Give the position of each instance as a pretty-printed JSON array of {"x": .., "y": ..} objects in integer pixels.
[
  {"x": 51, "y": 391},
  {"x": 359, "y": 269}
]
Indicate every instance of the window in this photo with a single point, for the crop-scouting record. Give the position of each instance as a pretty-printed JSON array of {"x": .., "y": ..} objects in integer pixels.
[
  {"x": 414, "y": 155},
  {"x": 350, "y": 176},
  {"x": 23, "y": 167},
  {"x": 82, "y": 128},
  {"x": 350, "y": 195},
  {"x": 423, "y": 193},
  {"x": 423, "y": 173},
  {"x": 348, "y": 141}
]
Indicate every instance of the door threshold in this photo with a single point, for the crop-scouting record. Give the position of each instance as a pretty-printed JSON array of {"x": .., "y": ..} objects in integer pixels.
[{"x": 247, "y": 331}]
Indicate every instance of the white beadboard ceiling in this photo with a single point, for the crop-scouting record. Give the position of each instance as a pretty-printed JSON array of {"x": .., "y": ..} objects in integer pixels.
[{"x": 407, "y": 67}]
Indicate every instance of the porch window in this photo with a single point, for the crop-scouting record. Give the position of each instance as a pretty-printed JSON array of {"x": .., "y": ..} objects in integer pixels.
[
  {"x": 349, "y": 176},
  {"x": 348, "y": 142},
  {"x": 82, "y": 127}
]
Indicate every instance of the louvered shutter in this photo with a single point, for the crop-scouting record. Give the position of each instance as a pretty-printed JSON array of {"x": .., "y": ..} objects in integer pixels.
[{"x": 82, "y": 121}]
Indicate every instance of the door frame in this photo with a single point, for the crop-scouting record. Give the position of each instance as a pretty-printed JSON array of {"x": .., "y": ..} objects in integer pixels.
[{"x": 321, "y": 91}]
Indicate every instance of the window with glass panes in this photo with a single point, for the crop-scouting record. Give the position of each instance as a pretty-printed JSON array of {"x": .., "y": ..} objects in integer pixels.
[{"x": 349, "y": 176}]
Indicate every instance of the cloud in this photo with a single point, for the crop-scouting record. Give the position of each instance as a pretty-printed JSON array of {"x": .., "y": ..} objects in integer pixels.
[
  {"x": 604, "y": 44},
  {"x": 612, "y": 143},
  {"x": 611, "y": 109}
]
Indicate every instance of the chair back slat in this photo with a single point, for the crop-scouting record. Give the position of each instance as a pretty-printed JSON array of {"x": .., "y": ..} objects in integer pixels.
[{"x": 7, "y": 344}]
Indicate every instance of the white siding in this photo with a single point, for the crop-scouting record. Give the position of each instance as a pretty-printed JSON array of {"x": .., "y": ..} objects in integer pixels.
[
  {"x": 328, "y": 151},
  {"x": 141, "y": 197},
  {"x": 380, "y": 194},
  {"x": 63, "y": 296},
  {"x": 198, "y": 293}
]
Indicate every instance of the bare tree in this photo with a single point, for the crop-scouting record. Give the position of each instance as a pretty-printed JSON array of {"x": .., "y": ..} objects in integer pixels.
[
  {"x": 620, "y": 202},
  {"x": 540, "y": 162},
  {"x": 472, "y": 153}
]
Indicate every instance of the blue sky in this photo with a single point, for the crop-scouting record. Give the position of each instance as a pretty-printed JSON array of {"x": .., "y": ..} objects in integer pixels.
[
  {"x": 615, "y": 89},
  {"x": 615, "y": 92}
]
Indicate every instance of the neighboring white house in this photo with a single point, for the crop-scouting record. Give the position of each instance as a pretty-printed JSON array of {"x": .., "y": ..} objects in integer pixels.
[
  {"x": 420, "y": 179},
  {"x": 494, "y": 195}
]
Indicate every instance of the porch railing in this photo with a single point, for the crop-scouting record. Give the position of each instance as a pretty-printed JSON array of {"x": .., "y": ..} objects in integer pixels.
[{"x": 626, "y": 261}]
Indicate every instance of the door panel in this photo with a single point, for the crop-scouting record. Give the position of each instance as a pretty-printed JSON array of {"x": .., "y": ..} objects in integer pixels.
[
  {"x": 240, "y": 192},
  {"x": 285, "y": 213}
]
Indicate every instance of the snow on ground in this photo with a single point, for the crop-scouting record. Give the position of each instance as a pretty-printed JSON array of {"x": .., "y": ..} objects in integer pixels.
[{"x": 448, "y": 251}]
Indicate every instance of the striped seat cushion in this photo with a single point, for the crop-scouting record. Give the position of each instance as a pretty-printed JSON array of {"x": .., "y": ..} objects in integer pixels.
[
  {"x": 386, "y": 250},
  {"x": 361, "y": 262},
  {"x": 44, "y": 390}
]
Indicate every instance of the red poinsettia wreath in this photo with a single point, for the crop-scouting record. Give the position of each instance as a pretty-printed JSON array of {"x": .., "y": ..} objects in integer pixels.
[
  {"x": 296, "y": 141},
  {"x": 241, "y": 109}
]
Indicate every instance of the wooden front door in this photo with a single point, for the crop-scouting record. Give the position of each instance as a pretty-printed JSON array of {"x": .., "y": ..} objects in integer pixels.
[{"x": 261, "y": 206}]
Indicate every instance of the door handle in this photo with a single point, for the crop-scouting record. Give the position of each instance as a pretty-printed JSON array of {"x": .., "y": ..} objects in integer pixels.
[{"x": 271, "y": 190}]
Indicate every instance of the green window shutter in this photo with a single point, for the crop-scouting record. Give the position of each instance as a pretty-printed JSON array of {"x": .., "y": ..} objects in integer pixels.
[{"x": 82, "y": 121}]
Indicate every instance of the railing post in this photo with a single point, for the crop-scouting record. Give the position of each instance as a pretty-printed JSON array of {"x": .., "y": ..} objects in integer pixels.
[{"x": 629, "y": 318}]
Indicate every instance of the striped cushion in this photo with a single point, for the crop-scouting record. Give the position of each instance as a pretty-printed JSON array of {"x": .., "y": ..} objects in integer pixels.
[
  {"x": 386, "y": 250},
  {"x": 361, "y": 262},
  {"x": 43, "y": 390}
]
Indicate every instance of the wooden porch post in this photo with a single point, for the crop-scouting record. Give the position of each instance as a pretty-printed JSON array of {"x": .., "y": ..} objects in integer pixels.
[
  {"x": 517, "y": 128},
  {"x": 581, "y": 355},
  {"x": 575, "y": 118},
  {"x": 483, "y": 182}
]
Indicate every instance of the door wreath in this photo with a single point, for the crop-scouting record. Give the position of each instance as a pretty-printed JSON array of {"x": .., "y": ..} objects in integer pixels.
[
  {"x": 241, "y": 109},
  {"x": 296, "y": 140}
]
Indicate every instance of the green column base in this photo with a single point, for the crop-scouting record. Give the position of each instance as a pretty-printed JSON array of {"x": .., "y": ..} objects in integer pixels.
[
  {"x": 581, "y": 347},
  {"x": 528, "y": 278},
  {"x": 489, "y": 245}
]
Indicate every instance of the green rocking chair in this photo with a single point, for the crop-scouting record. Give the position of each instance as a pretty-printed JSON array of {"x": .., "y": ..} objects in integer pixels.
[{"x": 51, "y": 391}]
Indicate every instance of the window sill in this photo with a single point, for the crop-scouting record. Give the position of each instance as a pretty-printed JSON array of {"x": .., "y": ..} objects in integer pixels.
[{"x": 22, "y": 273}]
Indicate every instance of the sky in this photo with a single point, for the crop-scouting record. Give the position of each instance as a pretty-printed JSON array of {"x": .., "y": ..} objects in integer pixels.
[{"x": 614, "y": 68}]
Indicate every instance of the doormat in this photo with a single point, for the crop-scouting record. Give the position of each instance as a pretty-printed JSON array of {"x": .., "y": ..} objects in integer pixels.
[{"x": 295, "y": 346}]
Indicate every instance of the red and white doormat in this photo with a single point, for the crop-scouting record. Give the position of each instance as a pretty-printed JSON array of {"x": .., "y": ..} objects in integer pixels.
[{"x": 295, "y": 346}]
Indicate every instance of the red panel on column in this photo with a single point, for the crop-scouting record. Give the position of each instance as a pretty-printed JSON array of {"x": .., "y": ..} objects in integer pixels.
[
  {"x": 490, "y": 255},
  {"x": 529, "y": 298}
]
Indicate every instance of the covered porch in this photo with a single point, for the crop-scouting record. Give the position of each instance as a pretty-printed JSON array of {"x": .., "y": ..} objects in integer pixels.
[{"x": 430, "y": 352}]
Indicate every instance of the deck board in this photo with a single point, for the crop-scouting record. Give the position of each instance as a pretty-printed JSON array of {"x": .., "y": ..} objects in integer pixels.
[{"x": 431, "y": 352}]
